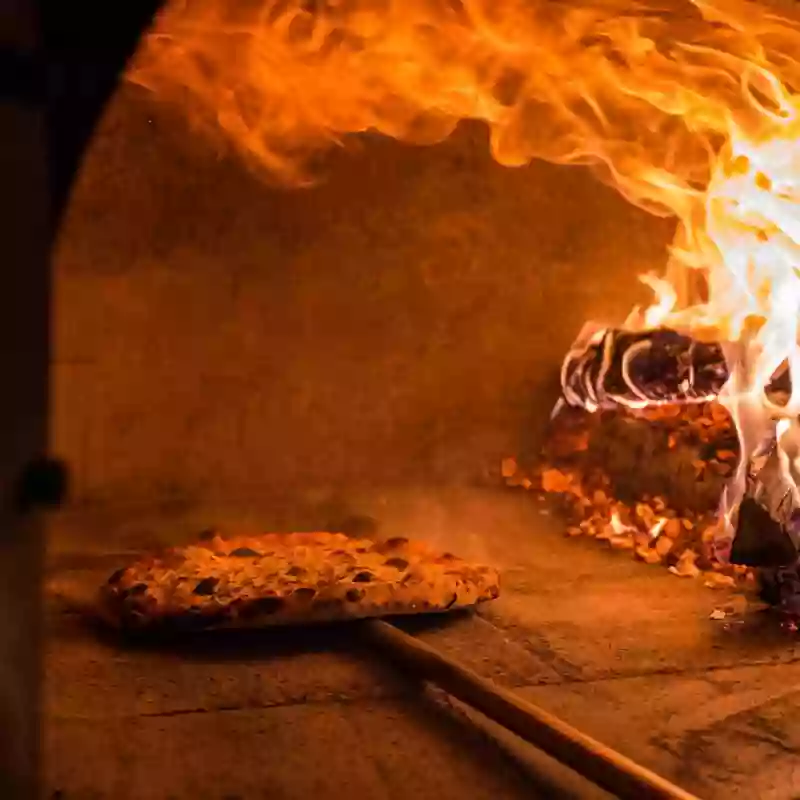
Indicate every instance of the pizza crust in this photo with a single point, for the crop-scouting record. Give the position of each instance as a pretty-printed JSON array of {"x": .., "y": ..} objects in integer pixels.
[{"x": 255, "y": 581}]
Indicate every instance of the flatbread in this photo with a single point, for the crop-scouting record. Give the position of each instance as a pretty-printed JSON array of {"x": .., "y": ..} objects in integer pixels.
[{"x": 290, "y": 578}]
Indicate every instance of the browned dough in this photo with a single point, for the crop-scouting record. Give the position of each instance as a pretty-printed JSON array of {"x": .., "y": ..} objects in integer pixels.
[{"x": 289, "y": 578}]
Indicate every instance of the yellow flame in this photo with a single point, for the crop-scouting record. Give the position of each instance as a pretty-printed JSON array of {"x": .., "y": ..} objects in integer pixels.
[
  {"x": 689, "y": 108},
  {"x": 617, "y": 525}
]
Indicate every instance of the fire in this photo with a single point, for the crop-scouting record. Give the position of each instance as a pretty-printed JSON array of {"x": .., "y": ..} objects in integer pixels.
[
  {"x": 657, "y": 528},
  {"x": 689, "y": 109}
]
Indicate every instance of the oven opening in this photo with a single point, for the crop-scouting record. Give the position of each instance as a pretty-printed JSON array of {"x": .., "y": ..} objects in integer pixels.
[{"x": 382, "y": 311}]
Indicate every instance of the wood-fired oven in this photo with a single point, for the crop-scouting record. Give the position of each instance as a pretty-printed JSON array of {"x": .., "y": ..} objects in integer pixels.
[{"x": 377, "y": 352}]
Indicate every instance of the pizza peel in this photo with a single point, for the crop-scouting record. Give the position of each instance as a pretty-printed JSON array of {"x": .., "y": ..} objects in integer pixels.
[{"x": 596, "y": 762}]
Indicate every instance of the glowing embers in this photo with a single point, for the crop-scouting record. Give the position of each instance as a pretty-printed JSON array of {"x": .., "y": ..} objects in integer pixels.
[{"x": 648, "y": 482}]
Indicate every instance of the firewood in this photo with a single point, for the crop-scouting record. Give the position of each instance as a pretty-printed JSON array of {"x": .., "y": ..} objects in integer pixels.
[
  {"x": 616, "y": 367},
  {"x": 767, "y": 530}
]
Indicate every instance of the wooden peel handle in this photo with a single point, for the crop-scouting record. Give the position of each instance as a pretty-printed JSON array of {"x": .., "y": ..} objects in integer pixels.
[{"x": 601, "y": 765}]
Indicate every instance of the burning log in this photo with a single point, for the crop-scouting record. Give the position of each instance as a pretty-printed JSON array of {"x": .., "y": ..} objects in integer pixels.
[
  {"x": 768, "y": 518},
  {"x": 607, "y": 368},
  {"x": 767, "y": 535},
  {"x": 770, "y": 545}
]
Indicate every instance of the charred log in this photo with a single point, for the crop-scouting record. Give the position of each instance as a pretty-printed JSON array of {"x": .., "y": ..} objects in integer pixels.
[
  {"x": 636, "y": 369},
  {"x": 761, "y": 540},
  {"x": 774, "y": 554},
  {"x": 767, "y": 535},
  {"x": 768, "y": 518}
]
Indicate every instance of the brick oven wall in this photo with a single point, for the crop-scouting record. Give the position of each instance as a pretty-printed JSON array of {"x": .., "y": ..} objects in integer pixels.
[{"x": 399, "y": 323}]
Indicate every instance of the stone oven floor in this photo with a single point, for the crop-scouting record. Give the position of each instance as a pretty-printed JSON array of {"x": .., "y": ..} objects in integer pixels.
[{"x": 625, "y": 652}]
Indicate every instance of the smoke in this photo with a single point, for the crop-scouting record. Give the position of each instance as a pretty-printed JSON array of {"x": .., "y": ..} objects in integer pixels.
[{"x": 646, "y": 92}]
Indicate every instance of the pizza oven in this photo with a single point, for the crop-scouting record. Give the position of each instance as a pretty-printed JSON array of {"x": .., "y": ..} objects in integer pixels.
[{"x": 373, "y": 347}]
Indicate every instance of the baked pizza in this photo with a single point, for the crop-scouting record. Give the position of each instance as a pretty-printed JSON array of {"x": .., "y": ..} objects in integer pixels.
[{"x": 251, "y": 581}]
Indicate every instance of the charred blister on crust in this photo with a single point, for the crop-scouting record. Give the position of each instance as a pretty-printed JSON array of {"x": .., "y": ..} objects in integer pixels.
[
  {"x": 396, "y": 543},
  {"x": 296, "y": 572},
  {"x": 244, "y": 552},
  {"x": 354, "y": 595},
  {"x": 397, "y": 563},
  {"x": 116, "y": 577},
  {"x": 363, "y": 577},
  {"x": 206, "y": 587},
  {"x": 304, "y": 593}
]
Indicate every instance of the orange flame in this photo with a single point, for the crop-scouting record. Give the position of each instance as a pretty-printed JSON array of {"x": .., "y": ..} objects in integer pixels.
[
  {"x": 647, "y": 93},
  {"x": 689, "y": 108}
]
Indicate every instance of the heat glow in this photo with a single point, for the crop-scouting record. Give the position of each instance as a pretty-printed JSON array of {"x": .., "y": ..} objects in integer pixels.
[{"x": 688, "y": 108}]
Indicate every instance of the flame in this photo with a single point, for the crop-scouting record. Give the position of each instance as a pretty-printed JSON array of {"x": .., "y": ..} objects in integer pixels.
[
  {"x": 657, "y": 527},
  {"x": 646, "y": 92},
  {"x": 618, "y": 526},
  {"x": 689, "y": 109}
]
